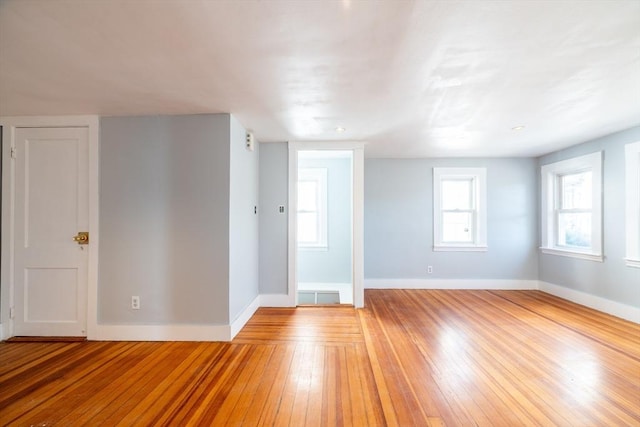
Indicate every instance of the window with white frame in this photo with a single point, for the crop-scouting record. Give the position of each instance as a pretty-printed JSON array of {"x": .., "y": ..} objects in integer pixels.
[
  {"x": 632, "y": 172},
  {"x": 572, "y": 207},
  {"x": 312, "y": 208},
  {"x": 460, "y": 209}
]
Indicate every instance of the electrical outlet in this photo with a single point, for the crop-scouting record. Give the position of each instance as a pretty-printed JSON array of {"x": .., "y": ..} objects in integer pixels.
[
  {"x": 430, "y": 269},
  {"x": 135, "y": 302}
]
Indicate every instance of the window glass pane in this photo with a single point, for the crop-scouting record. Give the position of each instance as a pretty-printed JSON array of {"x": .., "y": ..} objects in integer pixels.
[
  {"x": 307, "y": 227},
  {"x": 576, "y": 190},
  {"x": 574, "y": 229},
  {"x": 307, "y": 196},
  {"x": 457, "y": 194},
  {"x": 457, "y": 227}
]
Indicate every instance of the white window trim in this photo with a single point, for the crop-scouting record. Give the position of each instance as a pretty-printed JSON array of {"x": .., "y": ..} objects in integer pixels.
[
  {"x": 320, "y": 176},
  {"x": 480, "y": 239},
  {"x": 549, "y": 183},
  {"x": 632, "y": 178}
]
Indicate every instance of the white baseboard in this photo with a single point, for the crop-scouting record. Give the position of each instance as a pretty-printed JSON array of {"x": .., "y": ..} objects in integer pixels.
[
  {"x": 501, "y": 284},
  {"x": 613, "y": 308},
  {"x": 175, "y": 332},
  {"x": 275, "y": 300},
  {"x": 1, "y": 332},
  {"x": 161, "y": 333},
  {"x": 227, "y": 332},
  {"x": 244, "y": 317}
]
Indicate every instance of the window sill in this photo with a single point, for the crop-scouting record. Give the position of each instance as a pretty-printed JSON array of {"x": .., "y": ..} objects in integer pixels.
[
  {"x": 314, "y": 248},
  {"x": 460, "y": 249},
  {"x": 635, "y": 263},
  {"x": 573, "y": 254}
]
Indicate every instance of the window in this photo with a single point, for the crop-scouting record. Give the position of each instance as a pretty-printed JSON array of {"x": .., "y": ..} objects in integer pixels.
[
  {"x": 459, "y": 209},
  {"x": 632, "y": 167},
  {"x": 572, "y": 207},
  {"x": 312, "y": 207}
]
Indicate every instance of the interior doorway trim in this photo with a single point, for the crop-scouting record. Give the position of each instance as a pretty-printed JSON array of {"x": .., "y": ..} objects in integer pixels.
[
  {"x": 9, "y": 126},
  {"x": 358, "y": 215}
]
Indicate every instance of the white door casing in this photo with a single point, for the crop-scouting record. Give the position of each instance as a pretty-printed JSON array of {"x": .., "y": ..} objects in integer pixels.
[
  {"x": 51, "y": 205},
  {"x": 357, "y": 211}
]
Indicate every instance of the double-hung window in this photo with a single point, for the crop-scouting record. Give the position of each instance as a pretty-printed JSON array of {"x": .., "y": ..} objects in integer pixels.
[
  {"x": 632, "y": 172},
  {"x": 572, "y": 207},
  {"x": 460, "y": 209},
  {"x": 312, "y": 208}
]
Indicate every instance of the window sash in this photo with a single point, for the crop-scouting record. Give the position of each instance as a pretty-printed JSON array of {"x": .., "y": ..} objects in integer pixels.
[
  {"x": 470, "y": 230},
  {"x": 563, "y": 236},
  {"x": 446, "y": 200},
  {"x": 584, "y": 240},
  {"x": 312, "y": 213},
  {"x": 449, "y": 236},
  {"x": 563, "y": 198}
]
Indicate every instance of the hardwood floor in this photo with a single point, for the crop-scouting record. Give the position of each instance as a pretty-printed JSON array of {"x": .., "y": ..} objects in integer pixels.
[{"x": 410, "y": 358}]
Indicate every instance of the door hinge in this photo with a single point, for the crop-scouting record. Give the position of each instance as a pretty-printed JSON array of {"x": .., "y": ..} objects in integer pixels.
[
  {"x": 11, "y": 313},
  {"x": 13, "y": 152}
]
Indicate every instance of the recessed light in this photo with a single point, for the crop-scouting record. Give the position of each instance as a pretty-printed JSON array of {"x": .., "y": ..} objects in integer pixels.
[
  {"x": 519, "y": 127},
  {"x": 340, "y": 129}
]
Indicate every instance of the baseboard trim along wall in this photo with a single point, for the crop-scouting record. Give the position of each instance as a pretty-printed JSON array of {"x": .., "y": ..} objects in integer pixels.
[
  {"x": 161, "y": 333},
  {"x": 275, "y": 300},
  {"x": 450, "y": 284},
  {"x": 244, "y": 317},
  {"x": 604, "y": 305},
  {"x": 175, "y": 332},
  {"x": 613, "y": 308},
  {"x": 1, "y": 332},
  {"x": 228, "y": 332}
]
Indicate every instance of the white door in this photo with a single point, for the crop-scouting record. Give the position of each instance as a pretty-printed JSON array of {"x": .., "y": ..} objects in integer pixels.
[{"x": 51, "y": 208}]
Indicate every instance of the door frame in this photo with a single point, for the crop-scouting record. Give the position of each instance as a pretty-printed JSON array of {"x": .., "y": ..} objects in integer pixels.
[
  {"x": 9, "y": 126},
  {"x": 357, "y": 249}
]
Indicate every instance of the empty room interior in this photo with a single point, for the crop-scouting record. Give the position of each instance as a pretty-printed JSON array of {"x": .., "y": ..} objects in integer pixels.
[{"x": 336, "y": 213}]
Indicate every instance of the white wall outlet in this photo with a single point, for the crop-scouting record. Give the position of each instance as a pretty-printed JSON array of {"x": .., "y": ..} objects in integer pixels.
[
  {"x": 430, "y": 269},
  {"x": 135, "y": 302}
]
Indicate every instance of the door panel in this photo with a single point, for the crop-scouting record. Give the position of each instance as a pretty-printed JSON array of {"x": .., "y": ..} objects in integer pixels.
[
  {"x": 50, "y": 294},
  {"x": 51, "y": 207}
]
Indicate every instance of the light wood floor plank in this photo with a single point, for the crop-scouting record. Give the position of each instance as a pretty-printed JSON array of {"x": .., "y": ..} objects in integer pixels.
[{"x": 410, "y": 358}]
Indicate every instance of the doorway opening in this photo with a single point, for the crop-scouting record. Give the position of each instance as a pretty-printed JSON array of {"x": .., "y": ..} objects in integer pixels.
[
  {"x": 325, "y": 223},
  {"x": 325, "y": 227}
]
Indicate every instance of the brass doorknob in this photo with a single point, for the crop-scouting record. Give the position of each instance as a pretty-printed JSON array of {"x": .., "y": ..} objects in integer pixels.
[{"x": 82, "y": 238}]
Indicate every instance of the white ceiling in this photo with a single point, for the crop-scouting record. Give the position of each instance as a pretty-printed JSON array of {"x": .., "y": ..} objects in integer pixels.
[{"x": 411, "y": 78}]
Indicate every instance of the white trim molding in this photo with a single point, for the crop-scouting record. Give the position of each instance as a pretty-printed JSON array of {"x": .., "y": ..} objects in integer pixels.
[
  {"x": 275, "y": 300},
  {"x": 604, "y": 305},
  {"x": 9, "y": 124},
  {"x": 460, "y": 248},
  {"x": 176, "y": 332},
  {"x": 357, "y": 215},
  {"x": 572, "y": 254},
  {"x": 244, "y": 317},
  {"x": 632, "y": 211},
  {"x": 613, "y": 308},
  {"x": 632, "y": 262},
  {"x": 162, "y": 333},
  {"x": 551, "y": 175},
  {"x": 477, "y": 209},
  {"x": 479, "y": 284}
]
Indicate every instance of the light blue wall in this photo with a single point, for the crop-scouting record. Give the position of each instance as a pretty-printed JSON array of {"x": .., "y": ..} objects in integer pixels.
[
  {"x": 243, "y": 222},
  {"x": 398, "y": 235},
  {"x": 398, "y": 221},
  {"x": 164, "y": 219},
  {"x": 274, "y": 184},
  {"x": 611, "y": 279},
  {"x": 332, "y": 265}
]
